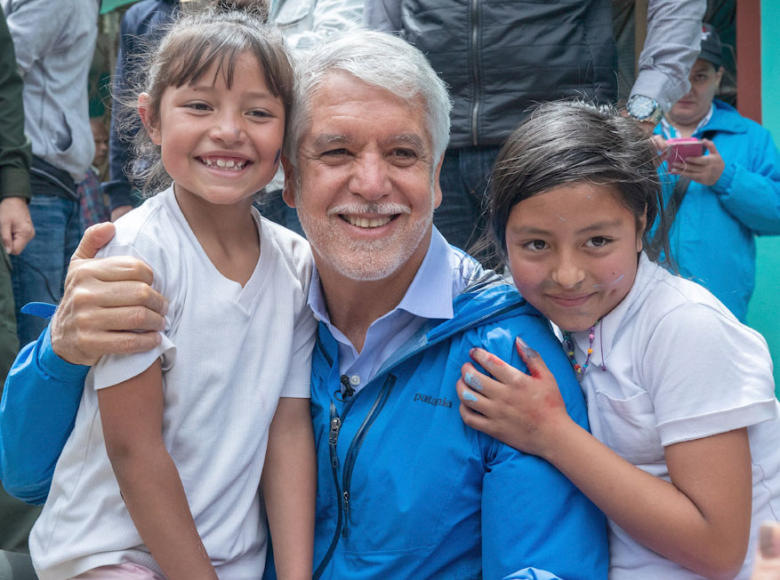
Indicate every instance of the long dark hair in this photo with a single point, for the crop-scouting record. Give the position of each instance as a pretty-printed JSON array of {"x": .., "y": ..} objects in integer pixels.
[{"x": 572, "y": 141}]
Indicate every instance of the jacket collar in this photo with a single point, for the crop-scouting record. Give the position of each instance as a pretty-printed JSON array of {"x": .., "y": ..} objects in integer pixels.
[
  {"x": 471, "y": 309},
  {"x": 725, "y": 119}
]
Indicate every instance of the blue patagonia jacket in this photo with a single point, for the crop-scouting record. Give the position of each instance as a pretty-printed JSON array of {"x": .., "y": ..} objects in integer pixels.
[
  {"x": 407, "y": 491},
  {"x": 713, "y": 235}
]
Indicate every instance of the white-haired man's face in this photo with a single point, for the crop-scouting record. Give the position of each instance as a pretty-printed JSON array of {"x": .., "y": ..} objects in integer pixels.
[{"x": 367, "y": 182}]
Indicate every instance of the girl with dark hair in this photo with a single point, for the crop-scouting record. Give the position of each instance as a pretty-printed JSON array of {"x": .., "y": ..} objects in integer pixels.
[
  {"x": 683, "y": 453},
  {"x": 162, "y": 472}
]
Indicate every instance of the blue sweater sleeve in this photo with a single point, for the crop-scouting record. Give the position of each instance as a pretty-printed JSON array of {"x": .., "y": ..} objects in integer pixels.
[
  {"x": 37, "y": 413},
  {"x": 752, "y": 194},
  {"x": 532, "y": 515}
]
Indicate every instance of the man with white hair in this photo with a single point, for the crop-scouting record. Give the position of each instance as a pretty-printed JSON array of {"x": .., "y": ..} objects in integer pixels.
[{"x": 405, "y": 489}]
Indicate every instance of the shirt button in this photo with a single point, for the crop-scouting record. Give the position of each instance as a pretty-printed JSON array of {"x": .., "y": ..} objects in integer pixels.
[{"x": 354, "y": 380}]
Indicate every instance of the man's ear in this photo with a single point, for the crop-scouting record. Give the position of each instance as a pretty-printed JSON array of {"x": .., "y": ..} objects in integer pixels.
[
  {"x": 436, "y": 185},
  {"x": 290, "y": 182},
  {"x": 147, "y": 118}
]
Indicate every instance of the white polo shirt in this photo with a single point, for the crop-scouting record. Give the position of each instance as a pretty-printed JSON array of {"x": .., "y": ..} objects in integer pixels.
[
  {"x": 679, "y": 367},
  {"x": 229, "y": 353}
]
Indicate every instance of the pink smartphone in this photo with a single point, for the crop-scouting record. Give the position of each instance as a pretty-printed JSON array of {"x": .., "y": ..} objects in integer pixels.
[{"x": 682, "y": 148}]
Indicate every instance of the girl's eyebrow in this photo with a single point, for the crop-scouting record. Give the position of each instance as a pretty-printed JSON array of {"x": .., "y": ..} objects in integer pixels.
[
  {"x": 598, "y": 226},
  {"x": 529, "y": 230},
  {"x": 207, "y": 88},
  {"x": 536, "y": 231},
  {"x": 259, "y": 95}
]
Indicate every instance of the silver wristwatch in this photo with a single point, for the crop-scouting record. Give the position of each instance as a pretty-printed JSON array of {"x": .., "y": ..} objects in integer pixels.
[{"x": 644, "y": 109}]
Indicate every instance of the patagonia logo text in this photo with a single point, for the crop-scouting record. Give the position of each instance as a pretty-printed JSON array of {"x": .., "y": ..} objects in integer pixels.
[{"x": 442, "y": 402}]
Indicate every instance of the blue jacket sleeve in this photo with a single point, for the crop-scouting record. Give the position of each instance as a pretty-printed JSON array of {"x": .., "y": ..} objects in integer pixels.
[
  {"x": 37, "y": 413},
  {"x": 532, "y": 515},
  {"x": 752, "y": 194}
]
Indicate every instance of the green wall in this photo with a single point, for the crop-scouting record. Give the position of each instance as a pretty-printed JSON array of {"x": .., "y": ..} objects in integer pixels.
[{"x": 764, "y": 312}]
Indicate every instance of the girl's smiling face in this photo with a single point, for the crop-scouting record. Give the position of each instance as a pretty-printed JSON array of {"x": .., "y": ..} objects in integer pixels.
[
  {"x": 219, "y": 143},
  {"x": 573, "y": 252}
]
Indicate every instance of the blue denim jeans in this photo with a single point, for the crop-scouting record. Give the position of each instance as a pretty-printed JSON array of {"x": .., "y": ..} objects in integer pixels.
[
  {"x": 464, "y": 174},
  {"x": 39, "y": 271}
]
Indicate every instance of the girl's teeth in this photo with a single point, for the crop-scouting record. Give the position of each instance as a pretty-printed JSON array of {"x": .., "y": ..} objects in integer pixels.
[{"x": 225, "y": 163}]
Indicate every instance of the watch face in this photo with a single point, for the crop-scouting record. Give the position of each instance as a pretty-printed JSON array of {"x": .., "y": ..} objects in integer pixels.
[{"x": 641, "y": 107}]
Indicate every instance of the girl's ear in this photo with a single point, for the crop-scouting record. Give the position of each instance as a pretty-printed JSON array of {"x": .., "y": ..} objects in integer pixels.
[
  {"x": 147, "y": 118},
  {"x": 641, "y": 226}
]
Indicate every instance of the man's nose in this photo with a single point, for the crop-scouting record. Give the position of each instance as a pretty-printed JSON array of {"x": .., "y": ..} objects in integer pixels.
[
  {"x": 369, "y": 178},
  {"x": 568, "y": 272}
]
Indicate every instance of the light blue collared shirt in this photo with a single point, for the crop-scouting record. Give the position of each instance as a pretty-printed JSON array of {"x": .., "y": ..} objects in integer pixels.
[{"x": 444, "y": 274}]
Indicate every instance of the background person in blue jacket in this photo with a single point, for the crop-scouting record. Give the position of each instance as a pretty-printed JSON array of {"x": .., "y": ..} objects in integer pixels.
[
  {"x": 734, "y": 189},
  {"x": 405, "y": 489}
]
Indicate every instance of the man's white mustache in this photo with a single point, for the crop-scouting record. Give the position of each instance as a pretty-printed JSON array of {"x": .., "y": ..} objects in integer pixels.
[{"x": 370, "y": 209}]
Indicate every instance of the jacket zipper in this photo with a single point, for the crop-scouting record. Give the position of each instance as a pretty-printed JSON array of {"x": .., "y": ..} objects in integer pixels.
[
  {"x": 333, "y": 438},
  {"x": 475, "y": 70},
  {"x": 342, "y": 522},
  {"x": 357, "y": 443},
  {"x": 335, "y": 428}
]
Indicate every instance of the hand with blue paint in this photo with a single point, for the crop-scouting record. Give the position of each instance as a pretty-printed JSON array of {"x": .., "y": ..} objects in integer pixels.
[{"x": 524, "y": 410}]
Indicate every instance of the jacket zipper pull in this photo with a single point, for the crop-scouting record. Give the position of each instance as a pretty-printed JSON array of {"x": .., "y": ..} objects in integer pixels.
[
  {"x": 345, "y": 529},
  {"x": 335, "y": 425}
]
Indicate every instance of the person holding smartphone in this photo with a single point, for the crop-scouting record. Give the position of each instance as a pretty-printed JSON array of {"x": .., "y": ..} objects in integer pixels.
[{"x": 727, "y": 195}]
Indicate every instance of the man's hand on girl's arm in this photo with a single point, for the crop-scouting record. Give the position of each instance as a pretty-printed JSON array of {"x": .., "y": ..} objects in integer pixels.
[{"x": 108, "y": 306}]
